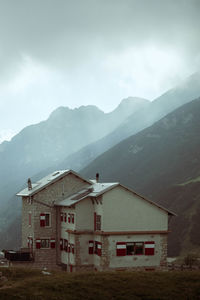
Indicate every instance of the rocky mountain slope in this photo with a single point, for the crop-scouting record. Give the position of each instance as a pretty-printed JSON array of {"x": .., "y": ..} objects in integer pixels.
[
  {"x": 54, "y": 144},
  {"x": 162, "y": 162},
  {"x": 37, "y": 147},
  {"x": 186, "y": 91}
]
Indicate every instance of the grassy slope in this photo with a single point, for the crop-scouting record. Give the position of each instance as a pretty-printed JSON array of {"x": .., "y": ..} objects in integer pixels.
[{"x": 26, "y": 284}]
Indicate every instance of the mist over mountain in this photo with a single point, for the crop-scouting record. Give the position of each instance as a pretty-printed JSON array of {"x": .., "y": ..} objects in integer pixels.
[
  {"x": 42, "y": 146},
  {"x": 39, "y": 146},
  {"x": 53, "y": 144},
  {"x": 186, "y": 91},
  {"x": 162, "y": 162}
]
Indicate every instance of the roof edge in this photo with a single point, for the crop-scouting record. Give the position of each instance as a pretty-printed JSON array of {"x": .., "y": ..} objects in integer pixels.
[
  {"x": 150, "y": 201},
  {"x": 53, "y": 181}
]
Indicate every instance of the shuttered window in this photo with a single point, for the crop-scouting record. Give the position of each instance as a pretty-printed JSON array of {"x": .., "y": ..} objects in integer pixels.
[
  {"x": 52, "y": 243},
  {"x": 97, "y": 222},
  {"x": 99, "y": 246},
  {"x": 121, "y": 249},
  {"x": 45, "y": 243},
  {"x": 30, "y": 242},
  {"x": 129, "y": 248},
  {"x": 72, "y": 217},
  {"x": 38, "y": 243},
  {"x": 91, "y": 247},
  {"x": 149, "y": 248},
  {"x": 69, "y": 218},
  {"x": 66, "y": 245},
  {"x": 44, "y": 219},
  {"x": 61, "y": 244}
]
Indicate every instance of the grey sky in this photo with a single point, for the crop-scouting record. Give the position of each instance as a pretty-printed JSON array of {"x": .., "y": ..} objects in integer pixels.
[{"x": 72, "y": 53}]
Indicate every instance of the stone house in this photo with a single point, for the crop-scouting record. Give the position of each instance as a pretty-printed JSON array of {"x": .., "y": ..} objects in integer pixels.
[{"x": 75, "y": 224}]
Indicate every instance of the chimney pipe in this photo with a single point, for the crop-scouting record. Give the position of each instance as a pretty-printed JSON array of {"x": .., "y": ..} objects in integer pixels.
[
  {"x": 97, "y": 177},
  {"x": 29, "y": 184}
]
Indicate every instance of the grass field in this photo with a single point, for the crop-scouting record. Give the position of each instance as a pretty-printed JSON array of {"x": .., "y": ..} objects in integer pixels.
[{"x": 31, "y": 284}]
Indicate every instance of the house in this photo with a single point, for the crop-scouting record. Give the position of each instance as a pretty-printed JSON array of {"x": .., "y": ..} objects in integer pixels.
[{"x": 76, "y": 224}]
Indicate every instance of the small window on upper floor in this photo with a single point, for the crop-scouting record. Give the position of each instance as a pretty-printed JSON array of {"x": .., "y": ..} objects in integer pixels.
[
  {"x": 97, "y": 222},
  {"x": 29, "y": 218},
  {"x": 45, "y": 220}
]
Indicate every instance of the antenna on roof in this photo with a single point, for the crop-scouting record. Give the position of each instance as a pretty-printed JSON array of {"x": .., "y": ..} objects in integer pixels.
[
  {"x": 97, "y": 177},
  {"x": 29, "y": 184}
]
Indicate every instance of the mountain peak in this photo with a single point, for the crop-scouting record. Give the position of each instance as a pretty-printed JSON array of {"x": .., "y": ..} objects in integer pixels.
[
  {"x": 132, "y": 101},
  {"x": 64, "y": 111}
]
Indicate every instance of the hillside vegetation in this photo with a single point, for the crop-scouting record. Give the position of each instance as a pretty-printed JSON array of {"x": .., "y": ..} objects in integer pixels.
[{"x": 27, "y": 284}]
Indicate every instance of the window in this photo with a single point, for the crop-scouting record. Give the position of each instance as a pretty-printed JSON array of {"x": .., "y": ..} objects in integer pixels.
[
  {"x": 97, "y": 222},
  {"x": 98, "y": 226},
  {"x": 97, "y": 248},
  {"x": 61, "y": 244},
  {"x": 130, "y": 248},
  {"x": 69, "y": 218},
  {"x": 52, "y": 243},
  {"x": 45, "y": 220},
  {"x": 65, "y": 245},
  {"x": 72, "y": 218},
  {"x": 91, "y": 247},
  {"x": 45, "y": 243},
  {"x": 30, "y": 242},
  {"x": 139, "y": 249},
  {"x": 38, "y": 243},
  {"x": 149, "y": 248},
  {"x": 29, "y": 218}
]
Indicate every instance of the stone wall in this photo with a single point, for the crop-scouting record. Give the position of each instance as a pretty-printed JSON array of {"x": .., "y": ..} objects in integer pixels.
[{"x": 43, "y": 202}]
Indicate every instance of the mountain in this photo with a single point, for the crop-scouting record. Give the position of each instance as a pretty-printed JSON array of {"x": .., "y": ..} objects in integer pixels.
[
  {"x": 74, "y": 138},
  {"x": 162, "y": 162},
  {"x": 186, "y": 91},
  {"x": 38, "y": 147}
]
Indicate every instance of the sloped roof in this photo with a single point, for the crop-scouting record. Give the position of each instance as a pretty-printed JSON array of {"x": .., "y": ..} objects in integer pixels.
[
  {"x": 47, "y": 180},
  {"x": 150, "y": 201},
  {"x": 95, "y": 190},
  {"x": 98, "y": 189}
]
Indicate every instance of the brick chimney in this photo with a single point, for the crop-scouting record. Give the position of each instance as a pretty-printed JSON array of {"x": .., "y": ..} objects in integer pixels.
[
  {"x": 97, "y": 177},
  {"x": 29, "y": 184}
]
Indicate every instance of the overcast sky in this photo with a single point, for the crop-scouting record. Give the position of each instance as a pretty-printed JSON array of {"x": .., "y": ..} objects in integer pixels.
[{"x": 71, "y": 53}]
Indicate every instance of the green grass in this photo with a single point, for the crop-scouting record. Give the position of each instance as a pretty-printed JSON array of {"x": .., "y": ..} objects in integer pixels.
[{"x": 29, "y": 284}]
